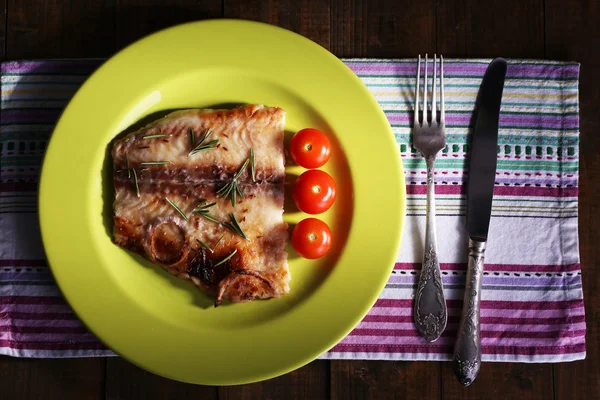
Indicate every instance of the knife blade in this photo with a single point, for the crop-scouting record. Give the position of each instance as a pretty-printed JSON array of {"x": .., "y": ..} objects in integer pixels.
[{"x": 466, "y": 359}]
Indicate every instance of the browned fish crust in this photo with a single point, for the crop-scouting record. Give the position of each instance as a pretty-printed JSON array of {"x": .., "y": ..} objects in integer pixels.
[{"x": 159, "y": 186}]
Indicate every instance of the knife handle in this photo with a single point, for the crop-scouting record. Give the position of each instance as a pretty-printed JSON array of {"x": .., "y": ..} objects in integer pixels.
[{"x": 467, "y": 349}]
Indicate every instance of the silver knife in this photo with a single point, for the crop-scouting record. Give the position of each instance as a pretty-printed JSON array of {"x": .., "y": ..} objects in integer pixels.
[{"x": 480, "y": 190}]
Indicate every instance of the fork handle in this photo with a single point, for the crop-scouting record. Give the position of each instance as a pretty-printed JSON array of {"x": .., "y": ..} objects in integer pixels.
[
  {"x": 466, "y": 360},
  {"x": 430, "y": 313}
]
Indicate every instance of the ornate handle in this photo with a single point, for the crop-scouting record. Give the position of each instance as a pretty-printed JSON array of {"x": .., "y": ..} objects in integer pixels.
[
  {"x": 430, "y": 311},
  {"x": 467, "y": 350}
]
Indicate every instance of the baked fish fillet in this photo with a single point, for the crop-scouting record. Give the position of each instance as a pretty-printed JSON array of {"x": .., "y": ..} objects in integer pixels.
[{"x": 172, "y": 205}]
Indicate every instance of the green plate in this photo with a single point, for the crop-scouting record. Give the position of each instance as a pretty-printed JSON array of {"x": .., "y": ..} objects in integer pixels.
[{"x": 166, "y": 325}]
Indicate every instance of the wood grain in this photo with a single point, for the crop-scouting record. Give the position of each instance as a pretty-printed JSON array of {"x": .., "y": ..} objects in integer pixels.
[
  {"x": 571, "y": 26},
  {"x": 308, "y": 382},
  {"x": 138, "y": 18},
  {"x": 384, "y": 380},
  {"x": 308, "y": 18},
  {"x": 60, "y": 28},
  {"x": 501, "y": 381},
  {"x": 127, "y": 381},
  {"x": 60, "y": 379},
  {"x": 385, "y": 29}
]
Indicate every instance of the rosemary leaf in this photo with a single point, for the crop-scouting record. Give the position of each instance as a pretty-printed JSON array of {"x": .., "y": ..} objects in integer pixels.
[
  {"x": 154, "y": 136},
  {"x": 207, "y": 247},
  {"x": 192, "y": 139},
  {"x": 154, "y": 162},
  {"x": 128, "y": 170},
  {"x": 201, "y": 145},
  {"x": 241, "y": 171},
  {"x": 135, "y": 180},
  {"x": 234, "y": 226},
  {"x": 176, "y": 208},
  {"x": 225, "y": 259},
  {"x": 252, "y": 166},
  {"x": 218, "y": 241}
]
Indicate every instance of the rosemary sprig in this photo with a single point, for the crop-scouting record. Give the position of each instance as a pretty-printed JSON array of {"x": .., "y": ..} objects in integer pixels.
[
  {"x": 234, "y": 226},
  {"x": 202, "y": 208},
  {"x": 128, "y": 169},
  {"x": 207, "y": 247},
  {"x": 252, "y": 166},
  {"x": 154, "y": 136},
  {"x": 154, "y": 162},
  {"x": 176, "y": 208},
  {"x": 192, "y": 139},
  {"x": 225, "y": 259},
  {"x": 135, "y": 180},
  {"x": 232, "y": 188},
  {"x": 201, "y": 145}
]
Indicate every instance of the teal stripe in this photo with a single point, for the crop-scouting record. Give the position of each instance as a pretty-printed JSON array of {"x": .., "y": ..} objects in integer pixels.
[{"x": 460, "y": 164}]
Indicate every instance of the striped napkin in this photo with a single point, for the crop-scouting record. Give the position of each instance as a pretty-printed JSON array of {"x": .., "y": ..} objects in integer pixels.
[{"x": 532, "y": 302}]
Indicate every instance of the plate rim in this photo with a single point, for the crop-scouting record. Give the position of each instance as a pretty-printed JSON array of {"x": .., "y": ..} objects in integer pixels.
[{"x": 44, "y": 206}]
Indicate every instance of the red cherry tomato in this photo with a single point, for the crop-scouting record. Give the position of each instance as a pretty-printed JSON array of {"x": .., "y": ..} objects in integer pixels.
[
  {"x": 311, "y": 238},
  {"x": 314, "y": 191},
  {"x": 310, "y": 148}
]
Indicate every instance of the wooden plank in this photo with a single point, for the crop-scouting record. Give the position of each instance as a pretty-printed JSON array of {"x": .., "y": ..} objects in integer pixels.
[
  {"x": 360, "y": 379},
  {"x": 571, "y": 26},
  {"x": 60, "y": 28},
  {"x": 61, "y": 379},
  {"x": 308, "y": 18},
  {"x": 483, "y": 28},
  {"x": 127, "y": 381},
  {"x": 138, "y": 18},
  {"x": 308, "y": 382},
  {"x": 3, "y": 10},
  {"x": 380, "y": 28},
  {"x": 501, "y": 381}
]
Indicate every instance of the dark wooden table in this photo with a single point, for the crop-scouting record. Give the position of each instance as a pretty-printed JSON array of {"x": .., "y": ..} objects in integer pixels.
[{"x": 552, "y": 29}]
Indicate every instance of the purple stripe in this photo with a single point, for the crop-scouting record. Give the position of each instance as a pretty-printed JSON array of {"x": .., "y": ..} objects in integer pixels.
[
  {"x": 36, "y": 308},
  {"x": 556, "y": 334},
  {"x": 496, "y": 267},
  {"x": 62, "y": 66},
  {"x": 493, "y": 304},
  {"x": 31, "y": 300},
  {"x": 22, "y": 263},
  {"x": 47, "y": 116},
  {"x": 527, "y": 191},
  {"x": 466, "y": 69},
  {"x": 15, "y": 330},
  {"x": 447, "y": 349}
]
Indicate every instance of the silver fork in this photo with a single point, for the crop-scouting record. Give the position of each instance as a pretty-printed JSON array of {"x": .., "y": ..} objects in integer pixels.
[{"x": 429, "y": 137}]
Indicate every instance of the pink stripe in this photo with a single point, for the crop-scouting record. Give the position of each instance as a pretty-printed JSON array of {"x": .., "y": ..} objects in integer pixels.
[
  {"x": 39, "y": 316},
  {"x": 31, "y": 300},
  {"x": 495, "y": 267},
  {"x": 44, "y": 345},
  {"x": 493, "y": 304},
  {"x": 447, "y": 349},
  {"x": 452, "y": 326},
  {"x": 484, "y": 320},
  {"x": 484, "y": 333},
  {"x": 16, "y": 330},
  {"x": 505, "y": 313},
  {"x": 529, "y": 191}
]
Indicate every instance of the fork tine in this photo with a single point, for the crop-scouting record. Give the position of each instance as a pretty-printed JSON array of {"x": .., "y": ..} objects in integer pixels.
[
  {"x": 416, "y": 119},
  {"x": 442, "y": 106},
  {"x": 433, "y": 96},
  {"x": 425, "y": 119}
]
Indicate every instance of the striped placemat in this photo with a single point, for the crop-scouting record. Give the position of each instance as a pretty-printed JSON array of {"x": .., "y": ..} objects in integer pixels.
[{"x": 532, "y": 303}]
